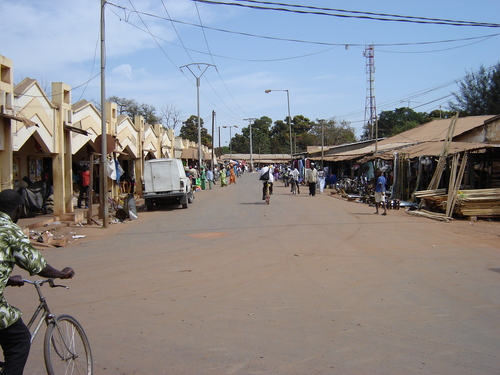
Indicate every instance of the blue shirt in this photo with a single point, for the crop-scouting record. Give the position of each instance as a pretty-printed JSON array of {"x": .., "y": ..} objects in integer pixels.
[{"x": 380, "y": 187}]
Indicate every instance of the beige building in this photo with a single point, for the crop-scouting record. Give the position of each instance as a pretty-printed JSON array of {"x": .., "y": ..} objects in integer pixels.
[{"x": 49, "y": 139}]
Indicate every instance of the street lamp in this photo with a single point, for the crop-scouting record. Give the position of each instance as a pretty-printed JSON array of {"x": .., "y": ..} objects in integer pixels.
[
  {"x": 289, "y": 119},
  {"x": 251, "y": 151},
  {"x": 200, "y": 159},
  {"x": 230, "y": 139}
]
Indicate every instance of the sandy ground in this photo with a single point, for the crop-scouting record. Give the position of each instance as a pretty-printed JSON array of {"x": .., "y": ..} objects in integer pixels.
[{"x": 306, "y": 285}]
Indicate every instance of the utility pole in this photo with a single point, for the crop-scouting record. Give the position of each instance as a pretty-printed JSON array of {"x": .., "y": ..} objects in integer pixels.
[
  {"x": 200, "y": 158},
  {"x": 250, "y": 120},
  {"x": 213, "y": 139},
  {"x": 103, "y": 178},
  {"x": 220, "y": 149}
]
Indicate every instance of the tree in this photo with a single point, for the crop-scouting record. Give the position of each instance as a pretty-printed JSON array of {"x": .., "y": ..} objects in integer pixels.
[
  {"x": 148, "y": 112},
  {"x": 170, "y": 117},
  {"x": 479, "y": 93},
  {"x": 189, "y": 130},
  {"x": 280, "y": 138},
  {"x": 131, "y": 108},
  {"x": 123, "y": 105},
  {"x": 438, "y": 113},
  {"x": 334, "y": 133},
  {"x": 261, "y": 138},
  {"x": 400, "y": 119},
  {"x": 403, "y": 127},
  {"x": 300, "y": 131}
]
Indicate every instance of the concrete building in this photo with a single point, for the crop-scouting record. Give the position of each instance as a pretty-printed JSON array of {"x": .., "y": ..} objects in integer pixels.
[{"x": 49, "y": 139}]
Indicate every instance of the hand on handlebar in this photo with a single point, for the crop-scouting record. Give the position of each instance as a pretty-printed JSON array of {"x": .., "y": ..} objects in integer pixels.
[
  {"x": 15, "y": 280},
  {"x": 68, "y": 273}
]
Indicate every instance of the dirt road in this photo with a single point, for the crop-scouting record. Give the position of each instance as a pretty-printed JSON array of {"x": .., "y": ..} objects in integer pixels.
[{"x": 306, "y": 285}]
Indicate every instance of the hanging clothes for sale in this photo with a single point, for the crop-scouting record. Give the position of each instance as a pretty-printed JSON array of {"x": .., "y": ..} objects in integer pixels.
[
  {"x": 111, "y": 168},
  {"x": 119, "y": 171}
]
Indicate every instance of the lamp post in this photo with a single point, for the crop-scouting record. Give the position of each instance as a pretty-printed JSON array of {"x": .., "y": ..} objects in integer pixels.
[
  {"x": 251, "y": 151},
  {"x": 322, "y": 143},
  {"x": 230, "y": 138},
  {"x": 220, "y": 146},
  {"x": 289, "y": 119},
  {"x": 200, "y": 159}
]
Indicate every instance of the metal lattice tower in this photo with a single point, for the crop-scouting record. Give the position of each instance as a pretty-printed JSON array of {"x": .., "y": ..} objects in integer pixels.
[{"x": 370, "y": 106}]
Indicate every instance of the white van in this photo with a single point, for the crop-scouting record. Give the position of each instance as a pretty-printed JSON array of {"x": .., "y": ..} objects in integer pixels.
[{"x": 165, "y": 181}]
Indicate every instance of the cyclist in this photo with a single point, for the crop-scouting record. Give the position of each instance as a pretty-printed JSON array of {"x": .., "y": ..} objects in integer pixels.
[
  {"x": 15, "y": 248},
  {"x": 295, "y": 174},
  {"x": 266, "y": 175}
]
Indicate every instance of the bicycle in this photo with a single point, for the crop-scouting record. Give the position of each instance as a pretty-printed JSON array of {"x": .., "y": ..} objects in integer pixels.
[
  {"x": 293, "y": 186},
  {"x": 267, "y": 194},
  {"x": 66, "y": 346}
]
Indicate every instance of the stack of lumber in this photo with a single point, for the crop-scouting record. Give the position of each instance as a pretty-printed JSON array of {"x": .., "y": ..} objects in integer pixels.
[
  {"x": 430, "y": 215},
  {"x": 479, "y": 202},
  {"x": 483, "y": 202},
  {"x": 434, "y": 200}
]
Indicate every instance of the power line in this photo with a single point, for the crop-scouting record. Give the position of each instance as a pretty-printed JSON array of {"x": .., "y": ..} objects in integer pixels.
[
  {"x": 355, "y": 14},
  {"x": 306, "y": 41}
]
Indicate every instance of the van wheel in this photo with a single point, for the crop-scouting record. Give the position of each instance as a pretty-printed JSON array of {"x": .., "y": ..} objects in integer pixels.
[
  {"x": 184, "y": 201},
  {"x": 149, "y": 204}
]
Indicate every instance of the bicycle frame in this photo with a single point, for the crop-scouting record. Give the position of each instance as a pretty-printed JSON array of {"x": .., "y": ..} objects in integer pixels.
[
  {"x": 66, "y": 347},
  {"x": 47, "y": 316}
]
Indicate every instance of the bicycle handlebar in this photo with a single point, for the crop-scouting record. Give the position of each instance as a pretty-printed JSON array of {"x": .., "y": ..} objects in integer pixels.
[{"x": 43, "y": 281}]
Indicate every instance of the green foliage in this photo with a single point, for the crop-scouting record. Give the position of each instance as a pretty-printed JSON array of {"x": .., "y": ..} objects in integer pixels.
[
  {"x": 390, "y": 122},
  {"x": 261, "y": 138},
  {"x": 189, "y": 130},
  {"x": 276, "y": 138},
  {"x": 403, "y": 127},
  {"x": 479, "y": 93},
  {"x": 334, "y": 133},
  {"x": 437, "y": 114}
]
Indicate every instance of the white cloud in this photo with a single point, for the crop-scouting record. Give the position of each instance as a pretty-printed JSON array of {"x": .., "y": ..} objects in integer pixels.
[{"x": 124, "y": 70}]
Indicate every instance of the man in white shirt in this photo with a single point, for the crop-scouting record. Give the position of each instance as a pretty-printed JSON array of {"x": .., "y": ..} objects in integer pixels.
[{"x": 312, "y": 179}]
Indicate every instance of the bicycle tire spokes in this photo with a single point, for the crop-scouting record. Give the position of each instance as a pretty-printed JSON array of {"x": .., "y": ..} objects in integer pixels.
[{"x": 67, "y": 348}]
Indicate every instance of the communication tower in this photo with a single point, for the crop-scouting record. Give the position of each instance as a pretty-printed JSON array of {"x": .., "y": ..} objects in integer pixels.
[{"x": 370, "y": 106}]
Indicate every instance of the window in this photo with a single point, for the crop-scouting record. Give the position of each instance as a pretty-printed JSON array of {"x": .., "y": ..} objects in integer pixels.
[{"x": 5, "y": 75}]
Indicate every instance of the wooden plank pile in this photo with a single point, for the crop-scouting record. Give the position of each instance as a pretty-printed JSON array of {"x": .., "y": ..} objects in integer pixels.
[
  {"x": 483, "y": 202},
  {"x": 478, "y": 203}
]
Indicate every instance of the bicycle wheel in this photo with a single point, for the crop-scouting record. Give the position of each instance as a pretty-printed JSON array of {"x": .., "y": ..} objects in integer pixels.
[
  {"x": 268, "y": 196},
  {"x": 66, "y": 348}
]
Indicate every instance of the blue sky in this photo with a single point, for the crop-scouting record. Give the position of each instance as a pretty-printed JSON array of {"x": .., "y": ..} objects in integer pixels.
[{"x": 147, "y": 41}]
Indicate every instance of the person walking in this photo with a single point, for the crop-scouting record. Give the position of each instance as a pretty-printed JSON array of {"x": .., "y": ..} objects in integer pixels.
[
  {"x": 311, "y": 179},
  {"x": 232, "y": 174},
  {"x": 295, "y": 174},
  {"x": 210, "y": 178},
  {"x": 223, "y": 177},
  {"x": 380, "y": 192},
  {"x": 84, "y": 187},
  {"x": 321, "y": 180},
  {"x": 203, "y": 178},
  {"x": 266, "y": 175}
]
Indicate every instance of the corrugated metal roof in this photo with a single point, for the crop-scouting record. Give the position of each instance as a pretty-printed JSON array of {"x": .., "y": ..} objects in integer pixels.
[
  {"x": 436, "y": 130},
  {"x": 430, "y": 149},
  {"x": 424, "y": 138}
]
